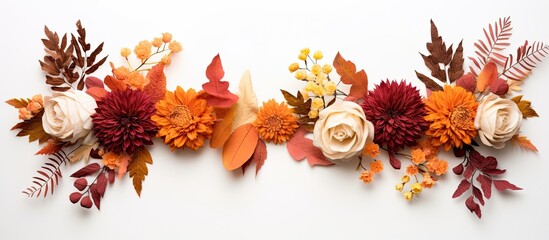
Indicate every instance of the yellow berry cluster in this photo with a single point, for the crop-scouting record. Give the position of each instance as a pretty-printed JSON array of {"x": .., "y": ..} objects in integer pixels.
[{"x": 318, "y": 81}]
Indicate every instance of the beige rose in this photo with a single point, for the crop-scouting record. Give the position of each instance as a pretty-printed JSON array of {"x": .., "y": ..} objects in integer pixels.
[
  {"x": 67, "y": 115},
  {"x": 497, "y": 120},
  {"x": 342, "y": 130}
]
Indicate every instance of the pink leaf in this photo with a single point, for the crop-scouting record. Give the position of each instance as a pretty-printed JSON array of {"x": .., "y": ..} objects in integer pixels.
[
  {"x": 473, "y": 206},
  {"x": 86, "y": 202},
  {"x": 123, "y": 167},
  {"x": 75, "y": 197},
  {"x": 478, "y": 194},
  {"x": 462, "y": 187},
  {"x": 468, "y": 82},
  {"x": 80, "y": 184},
  {"x": 96, "y": 93},
  {"x": 260, "y": 155},
  {"x": 393, "y": 160},
  {"x": 458, "y": 170},
  {"x": 101, "y": 184},
  {"x": 505, "y": 185},
  {"x": 499, "y": 87},
  {"x": 94, "y": 82},
  {"x": 218, "y": 94},
  {"x": 301, "y": 147}
]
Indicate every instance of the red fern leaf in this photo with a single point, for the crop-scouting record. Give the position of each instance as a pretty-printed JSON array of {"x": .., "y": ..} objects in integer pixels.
[
  {"x": 528, "y": 56},
  {"x": 47, "y": 180},
  {"x": 490, "y": 50}
]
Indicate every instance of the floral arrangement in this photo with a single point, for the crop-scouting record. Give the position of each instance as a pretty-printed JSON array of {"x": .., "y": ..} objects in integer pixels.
[{"x": 108, "y": 123}]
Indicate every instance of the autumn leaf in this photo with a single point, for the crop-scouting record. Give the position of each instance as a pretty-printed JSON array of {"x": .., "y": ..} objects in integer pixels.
[
  {"x": 52, "y": 146},
  {"x": 82, "y": 152},
  {"x": 240, "y": 146},
  {"x": 33, "y": 128},
  {"x": 347, "y": 71},
  {"x": 87, "y": 170},
  {"x": 468, "y": 82},
  {"x": 502, "y": 185},
  {"x": 156, "y": 89},
  {"x": 463, "y": 186},
  {"x": 222, "y": 129},
  {"x": 524, "y": 143},
  {"x": 138, "y": 168},
  {"x": 525, "y": 107},
  {"x": 114, "y": 84},
  {"x": 301, "y": 148},
  {"x": 260, "y": 155},
  {"x": 246, "y": 108},
  {"x": 19, "y": 103},
  {"x": 488, "y": 74},
  {"x": 94, "y": 82},
  {"x": 218, "y": 94},
  {"x": 96, "y": 92}
]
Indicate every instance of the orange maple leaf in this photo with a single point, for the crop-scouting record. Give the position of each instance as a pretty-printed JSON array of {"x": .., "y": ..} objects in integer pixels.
[
  {"x": 358, "y": 80},
  {"x": 524, "y": 143},
  {"x": 156, "y": 89}
]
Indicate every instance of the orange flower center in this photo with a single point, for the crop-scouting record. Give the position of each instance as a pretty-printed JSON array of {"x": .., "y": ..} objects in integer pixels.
[
  {"x": 180, "y": 116},
  {"x": 274, "y": 123},
  {"x": 460, "y": 117}
]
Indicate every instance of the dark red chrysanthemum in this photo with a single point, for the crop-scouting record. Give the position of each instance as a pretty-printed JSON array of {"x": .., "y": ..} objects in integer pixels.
[
  {"x": 122, "y": 121},
  {"x": 397, "y": 112}
]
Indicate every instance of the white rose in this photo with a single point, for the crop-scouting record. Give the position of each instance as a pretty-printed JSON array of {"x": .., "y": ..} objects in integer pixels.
[
  {"x": 497, "y": 120},
  {"x": 67, "y": 115},
  {"x": 342, "y": 130}
]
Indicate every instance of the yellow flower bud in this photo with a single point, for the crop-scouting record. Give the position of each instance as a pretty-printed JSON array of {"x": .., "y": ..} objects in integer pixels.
[
  {"x": 416, "y": 187},
  {"x": 319, "y": 90},
  {"x": 157, "y": 42},
  {"x": 315, "y": 69},
  {"x": 313, "y": 114},
  {"x": 125, "y": 52},
  {"x": 302, "y": 57},
  {"x": 318, "y": 55},
  {"x": 405, "y": 178},
  {"x": 317, "y": 104},
  {"x": 408, "y": 196},
  {"x": 166, "y": 37},
  {"x": 293, "y": 67},
  {"x": 309, "y": 87},
  {"x": 399, "y": 187},
  {"x": 326, "y": 68},
  {"x": 305, "y": 51},
  {"x": 301, "y": 74},
  {"x": 330, "y": 87}
]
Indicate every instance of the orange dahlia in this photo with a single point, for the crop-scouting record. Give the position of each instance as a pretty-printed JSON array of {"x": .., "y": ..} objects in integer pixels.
[
  {"x": 183, "y": 119},
  {"x": 275, "y": 122},
  {"x": 451, "y": 115}
]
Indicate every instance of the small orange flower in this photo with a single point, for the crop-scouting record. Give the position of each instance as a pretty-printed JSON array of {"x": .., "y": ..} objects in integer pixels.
[
  {"x": 437, "y": 166},
  {"x": 275, "y": 122},
  {"x": 38, "y": 99},
  {"x": 166, "y": 37},
  {"x": 24, "y": 114},
  {"x": 111, "y": 160},
  {"x": 371, "y": 149},
  {"x": 376, "y": 166},
  {"x": 367, "y": 176},
  {"x": 136, "y": 80},
  {"x": 157, "y": 42},
  {"x": 427, "y": 181},
  {"x": 451, "y": 114},
  {"x": 412, "y": 170},
  {"x": 143, "y": 50},
  {"x": 183, "y": 119},
  {"x": 121, "y": 73},
  {"x": 418, "y": 156},
  {"x": 175, "y": 46}
]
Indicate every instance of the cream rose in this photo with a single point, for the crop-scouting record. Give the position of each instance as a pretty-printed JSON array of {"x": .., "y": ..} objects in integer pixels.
[
  {"x": 67, "y": 115},
  {"x": 497, "y": 120},
  {"x": 342, "y": 130}
]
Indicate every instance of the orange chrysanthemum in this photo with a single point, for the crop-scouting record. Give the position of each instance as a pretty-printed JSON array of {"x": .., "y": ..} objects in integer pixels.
[
  {"x": 451, "y": 114},
  {"x": 437, "y": 166},
  {"x": 183, "y": 119},
  {"x": 275, "y": 122}
]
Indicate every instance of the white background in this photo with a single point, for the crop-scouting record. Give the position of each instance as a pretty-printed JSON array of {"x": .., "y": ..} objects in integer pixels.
[{"x": 189, "y": 194}]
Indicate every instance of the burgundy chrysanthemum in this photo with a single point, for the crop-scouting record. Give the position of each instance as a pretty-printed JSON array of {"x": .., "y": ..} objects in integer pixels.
[
  {"x": 122, "y": 121},
  {"x": 397, "y": 112}
]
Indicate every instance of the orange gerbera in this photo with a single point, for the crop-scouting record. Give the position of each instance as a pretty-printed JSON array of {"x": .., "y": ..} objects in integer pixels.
[
  {"x": 451, "y": 114},
  {"x": 183, "y": 119},
  {"x": 275, "y": 122}
]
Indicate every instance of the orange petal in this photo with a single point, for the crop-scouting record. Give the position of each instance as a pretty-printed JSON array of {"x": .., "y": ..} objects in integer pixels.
[{"x": 488, "y": 74}]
